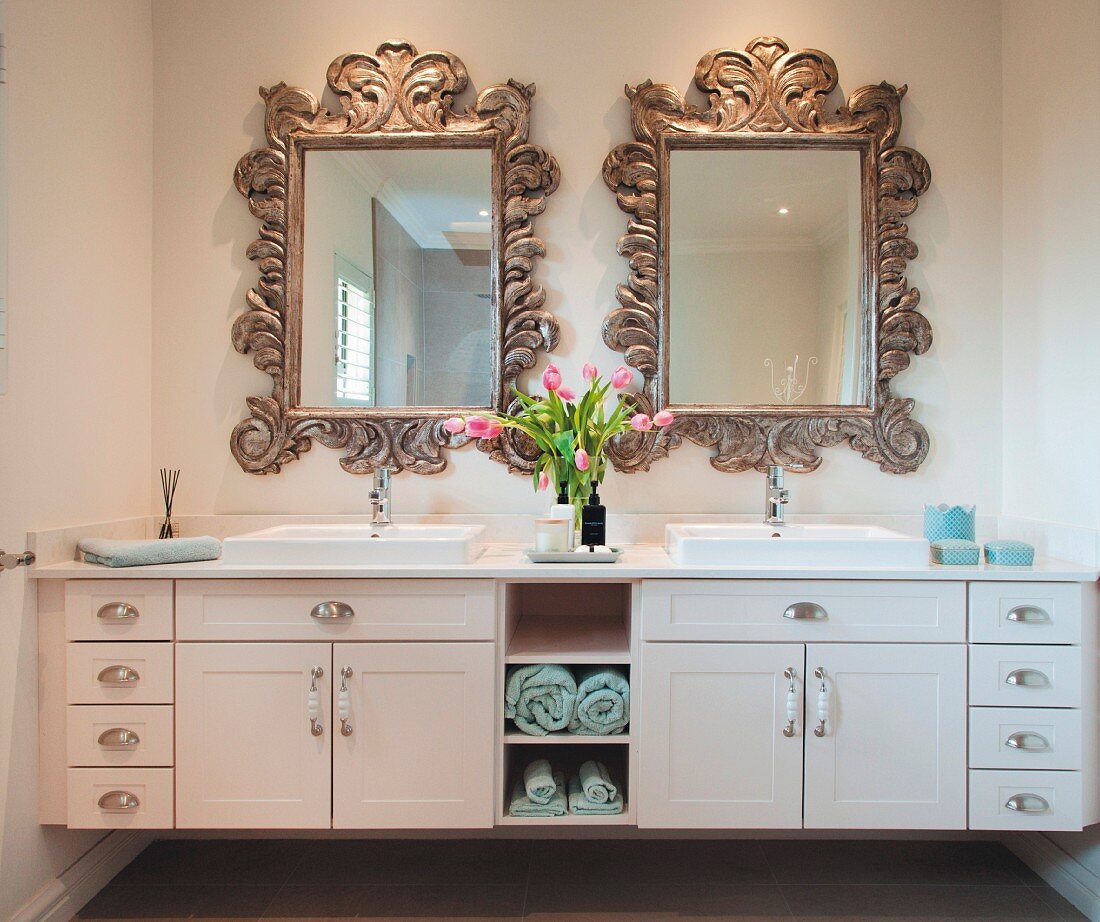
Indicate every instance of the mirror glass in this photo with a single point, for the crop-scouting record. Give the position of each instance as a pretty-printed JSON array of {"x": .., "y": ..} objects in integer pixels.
[
  {"x": 397, "y": 278},
  {"x": 765, "y": 274}
]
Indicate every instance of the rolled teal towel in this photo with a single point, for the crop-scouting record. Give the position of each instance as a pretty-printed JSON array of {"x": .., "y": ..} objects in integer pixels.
[
  {"x": 596, "y": 783},
  {"x": 540, "y": 698},
  {"x": 582, "y": 806},
  {"x": 603, "y": 702},
  {"x": 538, "y": 781},
  {"x": 112, "y": 553},
  {"x": 522, "y": 805}
]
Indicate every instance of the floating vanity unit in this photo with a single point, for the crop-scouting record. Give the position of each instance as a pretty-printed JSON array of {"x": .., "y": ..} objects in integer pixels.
[{"x": 231, "y": 696}]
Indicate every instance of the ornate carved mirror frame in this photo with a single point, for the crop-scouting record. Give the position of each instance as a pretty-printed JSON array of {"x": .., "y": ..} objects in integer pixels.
[
  {"x": 395, "y": 98},
  {"x": 770, "y": 96}
]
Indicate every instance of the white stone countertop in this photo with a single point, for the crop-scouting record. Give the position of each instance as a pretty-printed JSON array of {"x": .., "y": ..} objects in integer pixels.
[{"x": 507, "y": 562}]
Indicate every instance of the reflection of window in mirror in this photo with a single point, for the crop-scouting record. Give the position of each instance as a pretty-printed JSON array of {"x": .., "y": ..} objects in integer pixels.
[
  {"x": 354, "y": 335},
  {"x": 765, "y": 265}
]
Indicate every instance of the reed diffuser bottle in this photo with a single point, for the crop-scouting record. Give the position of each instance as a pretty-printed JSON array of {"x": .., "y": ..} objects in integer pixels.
[{"x": 168, "y": 481}]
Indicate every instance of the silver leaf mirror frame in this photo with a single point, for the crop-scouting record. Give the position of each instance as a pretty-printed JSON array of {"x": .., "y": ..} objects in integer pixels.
[
  {"x": 394, "y": 98},
  {"x": 768, "y": 96}
]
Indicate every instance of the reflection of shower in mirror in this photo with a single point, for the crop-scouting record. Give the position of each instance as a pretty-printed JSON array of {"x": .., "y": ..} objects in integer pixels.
[{"x": 789, "y": 388}]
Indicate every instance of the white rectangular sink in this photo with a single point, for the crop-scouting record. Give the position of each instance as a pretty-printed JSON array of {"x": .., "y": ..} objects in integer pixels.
[
  {"x": 354, "y": 545},
  {"x": 793, "y": 545}
]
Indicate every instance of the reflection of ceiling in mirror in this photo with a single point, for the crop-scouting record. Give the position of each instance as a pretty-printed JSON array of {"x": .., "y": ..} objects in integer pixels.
[
  {"x": 745, "y": 200},
  {"x": 441, "y": 197}
]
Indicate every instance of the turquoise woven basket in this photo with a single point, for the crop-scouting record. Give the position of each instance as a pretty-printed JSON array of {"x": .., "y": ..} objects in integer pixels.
[{"x": 945, "y": 521}]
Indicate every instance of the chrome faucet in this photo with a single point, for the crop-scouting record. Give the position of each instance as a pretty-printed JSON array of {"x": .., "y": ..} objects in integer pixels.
[
  {"x": 776, "y": 498},
  {"x": 380, "y": 498}
]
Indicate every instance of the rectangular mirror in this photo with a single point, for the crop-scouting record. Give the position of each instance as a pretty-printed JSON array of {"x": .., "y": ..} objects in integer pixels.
[
  {"x": 397, "y": 278},
  {"x": 765, "y": 277}
]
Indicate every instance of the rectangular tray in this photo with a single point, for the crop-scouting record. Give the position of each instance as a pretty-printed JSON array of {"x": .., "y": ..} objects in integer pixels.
[{"x": 572, "y": 557}]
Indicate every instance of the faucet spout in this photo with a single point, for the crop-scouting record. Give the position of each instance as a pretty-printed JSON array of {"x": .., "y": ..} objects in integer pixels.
[
  {"x": 775, "y": 496},
  {"x": 380, "y": 498}
]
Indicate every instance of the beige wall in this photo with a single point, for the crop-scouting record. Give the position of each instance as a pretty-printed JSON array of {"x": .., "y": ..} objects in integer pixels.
[
  {"x": 211, "y": 55},
  {"x": 76, "y": 415},
  {"x": 1051, "y": 249}
]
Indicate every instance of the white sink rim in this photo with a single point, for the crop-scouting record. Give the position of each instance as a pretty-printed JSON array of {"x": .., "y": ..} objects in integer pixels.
[
  {"x": 793, "y": 545},
  {"x": 354, "y": 545}
]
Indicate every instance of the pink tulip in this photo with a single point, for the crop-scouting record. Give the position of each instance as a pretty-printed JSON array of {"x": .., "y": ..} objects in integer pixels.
[
  {"x": 581, "y": 459},
  {"x": 567, "y": 393},
  {"x": 639, "y": 422},
  {"x": 454, "y": 425},
  {"x": 544, "y": 481},
  {"x": 551, "y": 378},
  {"x": 664, "y": 418},
  {"x": 621, "y": 377},
  {"x": 480, "y": 427},
  {"x": 589, "y": 371}
]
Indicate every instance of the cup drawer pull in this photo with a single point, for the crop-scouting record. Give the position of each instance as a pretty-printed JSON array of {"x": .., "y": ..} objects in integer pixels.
[
  {"x": 118, "y": 675},
  {"x": 118, "y": 611},
  {"x": 118, "y": 738},
  {"x": 1027, "y": 678},
  {"x": 332, "y": 611},
  {"x": 1028, "y": 614},
  {"x": 806, "y": 611},
  {"x": 119, "y": 802},
  {"x": 1028, "y": 803},
  {"x": 1028, "y": 741}
]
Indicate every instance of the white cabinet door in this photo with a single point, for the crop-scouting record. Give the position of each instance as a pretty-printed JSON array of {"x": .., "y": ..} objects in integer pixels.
[
  {"x": 246, "y": 753},
  {"x": 893, "y": 751},
  {"x": 712, "y": 749},
  {"x": 420, "y": 751}
]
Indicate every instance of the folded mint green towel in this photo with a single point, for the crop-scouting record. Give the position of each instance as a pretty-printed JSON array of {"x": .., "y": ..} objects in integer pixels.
[
  {"x": 522, "y": 805},
  {"x": 603, "y": 702},
  {"x": 582, "y": 806},
  {"x": 596, "y": 783},
  {"x": 540, "y": 698},
  {"x": 538, "y": 781},
  {"x": 113, "y": 553}
]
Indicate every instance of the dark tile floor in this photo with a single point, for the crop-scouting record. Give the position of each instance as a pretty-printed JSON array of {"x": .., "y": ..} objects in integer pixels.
[{"x": 577, "y": 881}]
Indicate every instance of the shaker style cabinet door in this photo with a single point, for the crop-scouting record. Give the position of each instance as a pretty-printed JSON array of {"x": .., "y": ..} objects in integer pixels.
[
  {"x": 892, "y": 749},
  {"x": 715, "y": 751},
  {"x": 253, "y": 742},
  {"x": 413, "y": 735}
]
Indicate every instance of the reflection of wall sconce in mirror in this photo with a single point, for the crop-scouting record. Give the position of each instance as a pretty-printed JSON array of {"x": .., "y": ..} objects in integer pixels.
[{"x": 789, "y": 388}]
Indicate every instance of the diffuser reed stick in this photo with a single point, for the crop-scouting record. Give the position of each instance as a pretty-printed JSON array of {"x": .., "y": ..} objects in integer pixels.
[{"x": 168, "y": 481}]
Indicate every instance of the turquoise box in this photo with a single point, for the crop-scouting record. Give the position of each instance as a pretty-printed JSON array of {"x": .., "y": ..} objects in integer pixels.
[
  {"x": 956, "y": 552},
  {"x": 946, "y": 521},
  {"x": 1004, "y": 553}
]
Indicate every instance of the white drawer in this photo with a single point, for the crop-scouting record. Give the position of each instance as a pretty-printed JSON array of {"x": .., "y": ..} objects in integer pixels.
[
  {"x": 95, "y": 798},
  {"x": 754, "y": 610},
  {"x": 138, "y": 735},
  {"x": 384, "y": 609},
  {"x": 1027, "y": 738},
  {"x": 119, "y": 673},
  {"x": 1025, "y": 613},
  {"x": 1025, "y": 676},
  {"x": 1046, "y": 800},
  {"x": 118, "y": 609}
]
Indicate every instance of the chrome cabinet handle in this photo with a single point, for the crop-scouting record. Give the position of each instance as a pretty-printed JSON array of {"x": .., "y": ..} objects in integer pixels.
[
  {"x": 1027, "y": 678},
  {"x": 1028, "y": 614},
  {"x": 118, "y": 611},
  {"x": 314, "y": 702},
  {"x": 1028, "y": 803},
  {"x": 119, "y": 802},
  {"x": 332, "y": 611},
  {"x": 343, "y": 702},
  {"x": 792, "y": 701},
  {"x": 1021, "y": 740},
  {"x": 822, "y": 703},
  {"x": 118, "y": 738},
  {"x": 805, "y": 611},
  {"x": 118, "y": 675}
]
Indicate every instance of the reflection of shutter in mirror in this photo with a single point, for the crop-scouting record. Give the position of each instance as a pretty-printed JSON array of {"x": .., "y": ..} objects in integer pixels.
[{"x": 354, "y": 335}]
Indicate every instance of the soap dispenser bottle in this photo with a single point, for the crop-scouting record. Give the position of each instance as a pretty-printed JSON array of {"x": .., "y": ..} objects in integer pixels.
[
  {"x": 562, "y": 510},
  {"x": 594, "y": 520}
]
